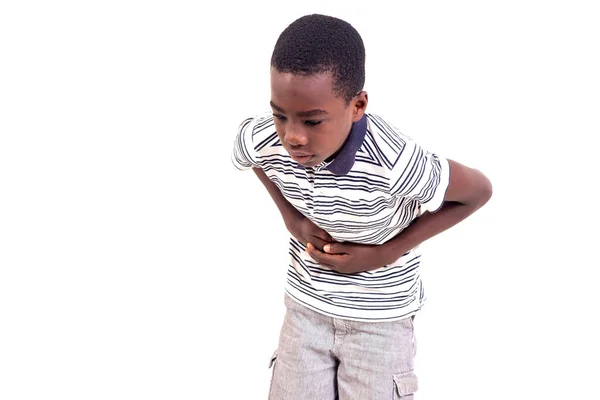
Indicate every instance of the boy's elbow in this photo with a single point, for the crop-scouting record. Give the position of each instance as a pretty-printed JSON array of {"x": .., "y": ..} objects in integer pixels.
[
  {"x": 484, "y": 189},
  {"x": 468, "y": 186}
]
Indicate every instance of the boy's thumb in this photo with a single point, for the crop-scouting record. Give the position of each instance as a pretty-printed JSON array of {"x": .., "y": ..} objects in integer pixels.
[{"x": 329, "y": 248}]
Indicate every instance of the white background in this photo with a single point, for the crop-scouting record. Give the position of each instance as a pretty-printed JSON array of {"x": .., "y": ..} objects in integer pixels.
[{"x": 137, "y": 263}]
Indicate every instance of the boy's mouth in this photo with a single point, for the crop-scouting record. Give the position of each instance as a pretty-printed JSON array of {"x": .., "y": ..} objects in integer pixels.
[{"x": 301, "y": 158}]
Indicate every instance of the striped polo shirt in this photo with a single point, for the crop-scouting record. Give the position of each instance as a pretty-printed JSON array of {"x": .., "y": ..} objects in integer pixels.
[{"x": 380, "y": 181}]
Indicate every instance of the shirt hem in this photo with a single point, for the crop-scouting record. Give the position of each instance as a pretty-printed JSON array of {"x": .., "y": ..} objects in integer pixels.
[{"x": 405, "y": 315}]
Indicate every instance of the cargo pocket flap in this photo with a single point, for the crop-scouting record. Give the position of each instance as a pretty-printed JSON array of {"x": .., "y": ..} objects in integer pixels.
[
  {"x": 406, "y": 383},
  {"x": 273, "y": 358}
]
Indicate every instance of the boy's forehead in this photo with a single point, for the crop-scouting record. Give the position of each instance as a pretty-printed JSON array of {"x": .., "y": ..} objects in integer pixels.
[{"x": 301, "y": 91}]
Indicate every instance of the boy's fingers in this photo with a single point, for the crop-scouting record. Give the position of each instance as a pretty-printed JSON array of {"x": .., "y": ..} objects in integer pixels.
[
  {"x": 315, "y": 253},
  {"x": 324, "y": 259},
  {"x": 318, "y": 242},
  {"x": 334, "y": 248},
  {"x": 312, "y": 250}
]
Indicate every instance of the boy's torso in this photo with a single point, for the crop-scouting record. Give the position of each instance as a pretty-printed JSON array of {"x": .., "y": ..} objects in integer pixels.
[{"x": 356, "y": 201}]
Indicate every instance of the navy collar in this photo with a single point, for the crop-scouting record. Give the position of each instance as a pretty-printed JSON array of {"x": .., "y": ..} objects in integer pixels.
[{"x": 343, "y": 162}]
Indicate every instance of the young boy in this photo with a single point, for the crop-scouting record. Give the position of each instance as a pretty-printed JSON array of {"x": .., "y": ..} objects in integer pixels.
[{"x": 358, "y": 197}]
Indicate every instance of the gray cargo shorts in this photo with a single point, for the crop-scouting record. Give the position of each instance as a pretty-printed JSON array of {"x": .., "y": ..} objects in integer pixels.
[{"x": 325, "y": 358}]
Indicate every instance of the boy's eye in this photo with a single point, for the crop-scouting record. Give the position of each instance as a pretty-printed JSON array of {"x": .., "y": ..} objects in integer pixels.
[
  {"x": 279, "y": 117},
  {"x": 312, "y": 123}
]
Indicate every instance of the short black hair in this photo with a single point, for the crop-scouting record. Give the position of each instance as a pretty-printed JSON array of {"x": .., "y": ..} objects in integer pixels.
[{"x": 320, "y": 43}]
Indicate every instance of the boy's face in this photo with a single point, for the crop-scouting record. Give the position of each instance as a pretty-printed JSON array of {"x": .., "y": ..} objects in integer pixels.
[{"x": 312, "y": 122}]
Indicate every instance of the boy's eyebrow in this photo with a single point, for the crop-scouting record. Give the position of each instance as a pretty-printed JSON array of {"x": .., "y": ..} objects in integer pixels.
[
  {"x": 276, "y": 107},
  {"x": 310, "y": 113}
]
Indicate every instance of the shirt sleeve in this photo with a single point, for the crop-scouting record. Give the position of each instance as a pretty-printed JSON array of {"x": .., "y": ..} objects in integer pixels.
[
  {"x": 421, "y": 176},
  {"x": 244, "y": 154}
]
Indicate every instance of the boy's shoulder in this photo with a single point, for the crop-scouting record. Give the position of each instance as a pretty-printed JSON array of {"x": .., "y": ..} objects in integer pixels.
[
  {"x": 385, "y": 141},
  {"x": 258, "y": 133},
  {"x": 258, "y": 127},
  {"x": 258, "y": 122},
  {"x": 385, "y": 127}
]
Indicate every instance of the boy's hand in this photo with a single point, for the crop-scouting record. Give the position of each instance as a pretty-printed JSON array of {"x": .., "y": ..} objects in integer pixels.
[
  {"x": 306, "y": 232},
  {"x": 349, "y": 258}
]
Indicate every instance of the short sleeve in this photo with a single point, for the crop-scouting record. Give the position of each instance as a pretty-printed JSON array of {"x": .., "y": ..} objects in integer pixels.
[
  {"x": 421, "y": 176},
  {"x": 244, "y": 154}
]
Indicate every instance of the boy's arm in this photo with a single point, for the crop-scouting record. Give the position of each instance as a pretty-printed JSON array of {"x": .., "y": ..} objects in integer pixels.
[
  {"x": 467, "y": 191},
  {"x": 297, "y": 224},
  {"x": 245, "y": 156}
]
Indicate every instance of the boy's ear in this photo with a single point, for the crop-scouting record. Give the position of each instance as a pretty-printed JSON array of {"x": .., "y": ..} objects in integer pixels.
[{"x": 359, "y": 105}]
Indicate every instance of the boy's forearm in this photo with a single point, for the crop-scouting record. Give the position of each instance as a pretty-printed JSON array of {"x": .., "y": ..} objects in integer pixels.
[
  {"x": 352, "y": 257},
  {"x": 288, "y": 212},
  {"x": 426, "y": 227},
  {"x": 468, "y": 191}
]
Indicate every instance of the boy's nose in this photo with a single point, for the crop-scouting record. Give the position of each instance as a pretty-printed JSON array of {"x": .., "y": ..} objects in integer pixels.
[{"x": 295, "y": 137}]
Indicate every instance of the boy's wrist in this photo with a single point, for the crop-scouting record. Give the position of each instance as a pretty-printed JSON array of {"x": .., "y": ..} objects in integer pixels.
[{"x": 394, "y": 249}]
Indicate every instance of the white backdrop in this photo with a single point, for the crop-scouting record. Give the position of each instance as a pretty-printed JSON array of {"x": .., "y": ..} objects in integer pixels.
[{"x": 129, "y": 244}]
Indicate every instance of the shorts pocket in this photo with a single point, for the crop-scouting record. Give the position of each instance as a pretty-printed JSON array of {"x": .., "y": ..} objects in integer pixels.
[
  {"x": 272, "y": 366},
  {"x": 273, "y": 359},
  {"x": 405, "y": 384}
]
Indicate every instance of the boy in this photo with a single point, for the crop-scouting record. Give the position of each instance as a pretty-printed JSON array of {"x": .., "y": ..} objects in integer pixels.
[{"x": 358, "y": 198}]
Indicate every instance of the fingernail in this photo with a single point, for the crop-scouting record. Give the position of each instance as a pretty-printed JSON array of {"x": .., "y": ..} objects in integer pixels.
[{"x": 327, "y": 247}]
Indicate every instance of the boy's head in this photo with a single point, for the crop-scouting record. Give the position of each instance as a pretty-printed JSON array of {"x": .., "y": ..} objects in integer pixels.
[{"x": 317, "y": 78}]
